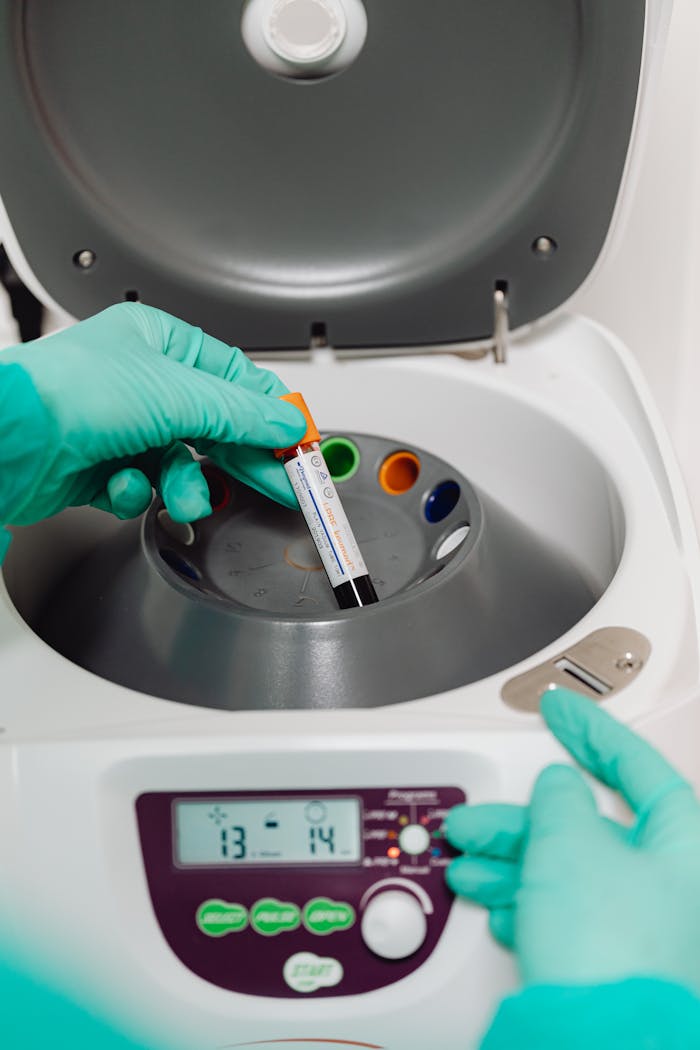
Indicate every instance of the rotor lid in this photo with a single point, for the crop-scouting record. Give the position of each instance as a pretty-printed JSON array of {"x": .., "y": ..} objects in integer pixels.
[{"x": 148, "y": 154}]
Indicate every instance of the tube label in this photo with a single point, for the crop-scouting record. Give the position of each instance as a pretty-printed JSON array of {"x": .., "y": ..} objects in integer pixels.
[{"x": 324, "y": 514}]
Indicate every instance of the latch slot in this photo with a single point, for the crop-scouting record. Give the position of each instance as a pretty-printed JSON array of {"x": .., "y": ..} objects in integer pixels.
[{"x": 582, "y": 676}]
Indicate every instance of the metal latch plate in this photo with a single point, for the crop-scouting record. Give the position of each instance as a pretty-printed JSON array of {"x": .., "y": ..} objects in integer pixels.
[{"x": 598, "y": 666}]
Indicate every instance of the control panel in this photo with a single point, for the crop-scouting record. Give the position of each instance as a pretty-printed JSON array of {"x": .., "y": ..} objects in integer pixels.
[{"x": 299, "y": 892}]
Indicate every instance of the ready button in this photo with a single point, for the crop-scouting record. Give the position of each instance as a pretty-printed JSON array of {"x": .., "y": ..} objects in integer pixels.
[
  {"x": 216, "y": 917},
  {"x": 322, "y": 915},
  {"x": 269, "y": 916}
]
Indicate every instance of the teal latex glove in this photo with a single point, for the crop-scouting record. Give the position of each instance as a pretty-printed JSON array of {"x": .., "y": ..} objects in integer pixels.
[
  {"x": 101, "y": 410},
  {"x": 36, "y": 1016},
  {"x": 583, "y": 899}
]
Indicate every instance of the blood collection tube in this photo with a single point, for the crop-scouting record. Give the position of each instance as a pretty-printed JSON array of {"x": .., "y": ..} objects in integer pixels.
[{"x": 329, "y": 527}]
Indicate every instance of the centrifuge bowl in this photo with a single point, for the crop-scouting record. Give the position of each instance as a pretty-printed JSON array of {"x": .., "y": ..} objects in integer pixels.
[{"x": 236, "y": 613}]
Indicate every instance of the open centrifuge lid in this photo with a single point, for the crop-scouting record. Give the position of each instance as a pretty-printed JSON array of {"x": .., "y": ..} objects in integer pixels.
[{"x": 384, "y": 202}]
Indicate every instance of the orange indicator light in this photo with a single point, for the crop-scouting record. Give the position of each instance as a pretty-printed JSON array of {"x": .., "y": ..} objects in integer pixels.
[
  {"x": 391, "y": 834},
  {"x": 393, "y": 851}
]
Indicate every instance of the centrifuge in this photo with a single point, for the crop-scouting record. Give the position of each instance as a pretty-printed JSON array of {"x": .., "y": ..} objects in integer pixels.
[{"x": 224, "y": 796}]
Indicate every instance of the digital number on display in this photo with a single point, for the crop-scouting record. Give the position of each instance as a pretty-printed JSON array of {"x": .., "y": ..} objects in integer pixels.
[{"x": 223, "y": 831}]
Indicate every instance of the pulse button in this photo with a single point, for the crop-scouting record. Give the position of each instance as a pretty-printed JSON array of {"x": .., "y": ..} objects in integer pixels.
[{"x": 414, "y": 839}]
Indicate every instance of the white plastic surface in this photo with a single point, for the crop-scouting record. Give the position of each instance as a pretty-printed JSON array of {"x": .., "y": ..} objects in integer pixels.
[{"x": 394, "y": 924}]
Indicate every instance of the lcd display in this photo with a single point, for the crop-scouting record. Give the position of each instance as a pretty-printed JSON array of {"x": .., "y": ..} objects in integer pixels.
[{"x": 232, "y": 831}]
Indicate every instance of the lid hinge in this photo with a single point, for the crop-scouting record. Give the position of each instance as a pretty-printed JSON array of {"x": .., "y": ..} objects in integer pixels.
[
  {"x": 500, "y": 322},
  {"x": 320, "y": 351}
]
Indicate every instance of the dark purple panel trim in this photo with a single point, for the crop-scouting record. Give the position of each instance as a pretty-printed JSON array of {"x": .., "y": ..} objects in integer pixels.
[{"x": 248, "y": 962}]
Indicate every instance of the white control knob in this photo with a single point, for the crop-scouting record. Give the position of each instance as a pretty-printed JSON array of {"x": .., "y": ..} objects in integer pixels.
[
  {"x": 414, "y": 839},
  {"x": 394, "y": 924}
]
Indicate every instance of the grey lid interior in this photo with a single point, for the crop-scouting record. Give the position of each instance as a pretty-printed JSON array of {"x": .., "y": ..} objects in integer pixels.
[{"x": 383, "y": 202}]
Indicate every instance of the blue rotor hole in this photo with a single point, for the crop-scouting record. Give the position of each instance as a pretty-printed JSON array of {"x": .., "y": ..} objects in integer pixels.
[
  {"x": 441, "y": 501},
  {"x": 182, "y": 567}
]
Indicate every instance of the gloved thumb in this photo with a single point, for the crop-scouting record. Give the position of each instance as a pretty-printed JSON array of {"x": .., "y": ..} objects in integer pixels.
[{"x": 561, "y": 802}]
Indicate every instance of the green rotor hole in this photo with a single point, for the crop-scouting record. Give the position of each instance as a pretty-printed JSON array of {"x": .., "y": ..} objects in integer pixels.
[{"x": 342, "y": 457}]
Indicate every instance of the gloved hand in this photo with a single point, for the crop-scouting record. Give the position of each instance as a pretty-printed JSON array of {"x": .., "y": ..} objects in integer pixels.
[
  {"x": 101, "y": 410},
  {"x": 583, "y": 899}
]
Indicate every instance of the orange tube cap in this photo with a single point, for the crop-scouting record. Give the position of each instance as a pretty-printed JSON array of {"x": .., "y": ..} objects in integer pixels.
[{"x": 311, "y": 434}]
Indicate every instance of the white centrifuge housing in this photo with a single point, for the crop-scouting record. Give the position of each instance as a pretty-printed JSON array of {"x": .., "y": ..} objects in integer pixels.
[{"x": 390, "y": 203}]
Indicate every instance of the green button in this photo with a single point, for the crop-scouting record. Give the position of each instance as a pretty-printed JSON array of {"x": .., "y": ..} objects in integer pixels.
[
  {"x": 269, "y": 916},
  {"x": 217, "y": 917},
  {"x": 322, "y": 915}
]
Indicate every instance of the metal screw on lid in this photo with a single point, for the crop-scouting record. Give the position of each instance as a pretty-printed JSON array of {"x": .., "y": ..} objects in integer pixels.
[
  {"x": 544, "y": 247},
  {"x": 85, "y": 259},
  {"x": 628, "y": 663}
]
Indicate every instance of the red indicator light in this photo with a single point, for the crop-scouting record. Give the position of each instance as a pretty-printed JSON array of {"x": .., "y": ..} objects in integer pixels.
[{"x": 393, "y": 851}]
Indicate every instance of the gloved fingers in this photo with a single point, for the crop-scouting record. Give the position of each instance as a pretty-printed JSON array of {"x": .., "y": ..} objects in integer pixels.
[
  {"x": 490, "y": 830},
  {"x": 621, "y": 832},
  {"x": 182, "y": 485},
  {"x": 491, "y": 883},
  {"x": 607, "y": 749},
  {"x": 561, "y": 804},
  {"x": 207, "y": 407},
  {"x": 5, "y": 541},
  {"x": 127, "y": 494},
  {"x": 255, "y": 467},
  {"x": 668, "y": 818},
  {"x": 193, "y": 347},
  {"x": 502, "y": 926}
]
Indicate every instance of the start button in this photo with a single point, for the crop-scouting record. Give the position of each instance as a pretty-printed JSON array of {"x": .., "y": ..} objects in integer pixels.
[{"x": 307, "y": 972}]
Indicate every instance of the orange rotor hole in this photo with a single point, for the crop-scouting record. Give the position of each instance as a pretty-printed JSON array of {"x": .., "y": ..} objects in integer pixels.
[{"x": 399, "y": 473}]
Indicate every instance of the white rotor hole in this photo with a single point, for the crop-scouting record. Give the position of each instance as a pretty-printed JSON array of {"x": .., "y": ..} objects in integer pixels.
[
  {"x": 180, "y": 531},
  {"x": 453, "y": 541}
]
